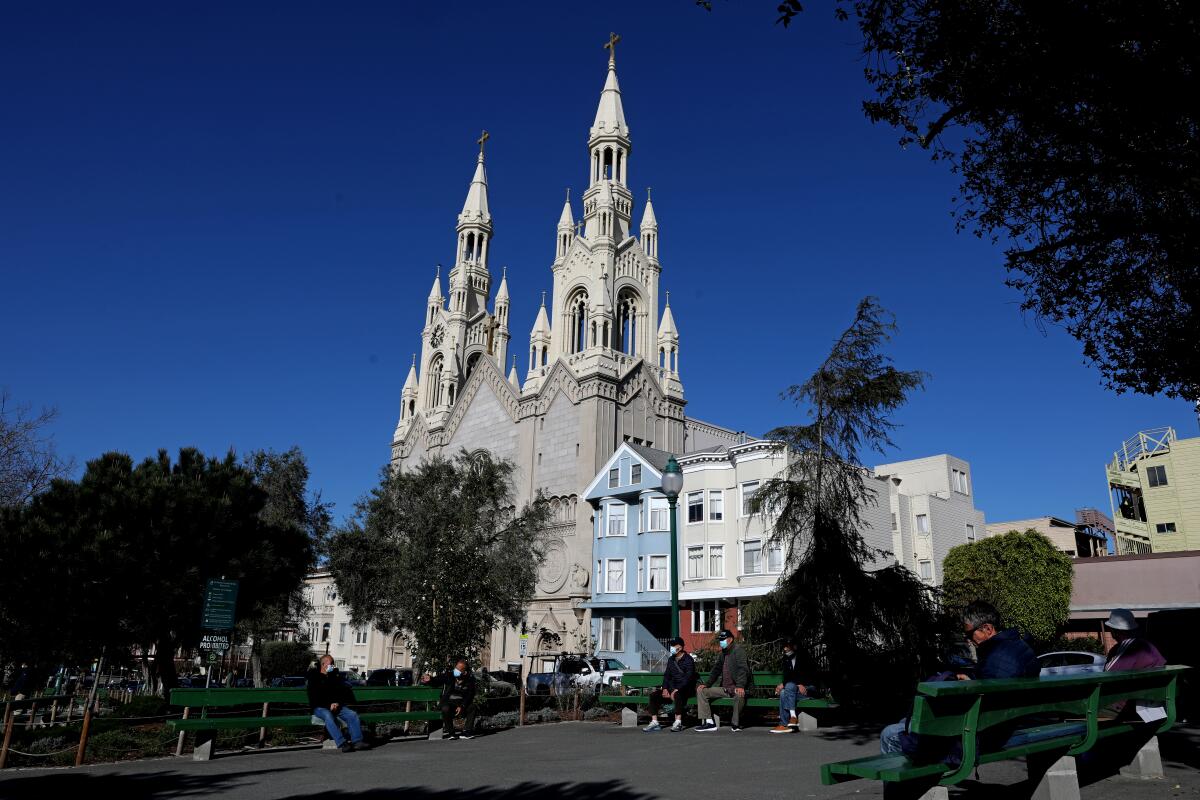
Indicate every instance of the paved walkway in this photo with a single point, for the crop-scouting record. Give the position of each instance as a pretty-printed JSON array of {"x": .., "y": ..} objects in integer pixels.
[{"x": 564, "y": 761}]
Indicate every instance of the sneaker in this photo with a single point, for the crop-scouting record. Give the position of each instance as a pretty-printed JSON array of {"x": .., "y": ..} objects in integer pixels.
[
  {"x": 735, "y": 728},
  {"x": 652, "y": 727},
  {"x": 794, "y": 724},
  {"x": 448, "y": 736},
  {"x": 465, "y": 735},
  {"x": 782, "y": 729},
  {"x": 347, "y": 748},
  {"x": 678, "y": 726},
  {"x": 705, "y": 727},
  {"x": 362, "y": 745}
]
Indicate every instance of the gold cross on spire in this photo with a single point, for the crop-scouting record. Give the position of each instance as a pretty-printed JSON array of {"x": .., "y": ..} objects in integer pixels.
[
  {"x": 611, "y": 47},
  {"x": 483, "y": 138}
]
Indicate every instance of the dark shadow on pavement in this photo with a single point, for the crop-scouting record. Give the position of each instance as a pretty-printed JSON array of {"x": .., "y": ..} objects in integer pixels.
[
  {"x": 598, "y": 790},
  {"x": 857, "y": 733},
  {"x": 86, "y": 783}
]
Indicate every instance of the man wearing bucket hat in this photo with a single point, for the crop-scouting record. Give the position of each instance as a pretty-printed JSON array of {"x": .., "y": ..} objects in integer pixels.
[{"x": 1131, "y": 651}]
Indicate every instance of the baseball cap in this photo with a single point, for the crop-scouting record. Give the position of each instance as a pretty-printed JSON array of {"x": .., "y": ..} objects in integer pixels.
[
  {"x": 725, "y": 634},
  {"x": 677, "y": 640}
]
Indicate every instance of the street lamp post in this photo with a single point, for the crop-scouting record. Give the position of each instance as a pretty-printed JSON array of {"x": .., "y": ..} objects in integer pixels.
[{"x": 672, "y": 484}]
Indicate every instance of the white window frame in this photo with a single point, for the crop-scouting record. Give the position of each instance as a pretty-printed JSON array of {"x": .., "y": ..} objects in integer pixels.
[
  {"x": 753, "y": 545},
  {"x": 666, "y": 573},
  {"x": 342, "y": 632},
  {"x": 768, "y": 549},
  {"x": 701, "y": 609},
  {"x": 1161, "y": 528},
  {"x": 608, "y": 562},
  {"x": 917, "y": 522},
  {"x": 611, "y": 518},
  {"x": 1152, "y": 476},
  {"x": 688, "y": 504},
  {"x": 716, "y": 505},
  {"x": 641, "y": 573},
  {"x": 692, "y": 552},
  {"x": 608, "y": 634},
  {"x": 635, "y": 474},
  {"x": 959, "y": 481},
  {"x": 754, "y": 487},
  {"x": 716, "y": 550},
  {"x": 614, "y": 477},
  {"x": 925, "y": 566},
  {"x": 360, "y": 636},
  {"x": 599, "y": 576},
  {"x": 659, "y": 505},
  {"x": 970, "y": 533}
]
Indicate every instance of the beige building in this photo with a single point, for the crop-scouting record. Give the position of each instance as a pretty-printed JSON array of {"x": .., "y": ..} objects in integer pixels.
[
  {"x": 726, "y": 559},
  {"x": 1154, "y": 488},
  {"x": 1073, "y": 538},
  {"x": 932, "y": 509},
  {"x": 329, "y": 630}
]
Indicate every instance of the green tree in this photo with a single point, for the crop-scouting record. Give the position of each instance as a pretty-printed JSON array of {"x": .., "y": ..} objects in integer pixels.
[
  {"x": 121, "y": 557},
  {"x": 280, "y": 659},
  {"x": 289, "y": 504},
  {"x": 871, "y": 631},
  {"x": 442, "y": 553},
  {"x": 1023, "y": 575},
  {"x": 1064, "y": 157}
]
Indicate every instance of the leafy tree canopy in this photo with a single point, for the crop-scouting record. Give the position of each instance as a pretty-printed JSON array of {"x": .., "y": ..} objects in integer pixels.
[
  {"x": 1023, "y": 575},
  {"x": 872, "y": 632},
  {"x": 442, "y": 553},
  {"x": 1075, "y": 130},
  {"x": 280, "y": 659},
  {"x": 121, "y": 556}
]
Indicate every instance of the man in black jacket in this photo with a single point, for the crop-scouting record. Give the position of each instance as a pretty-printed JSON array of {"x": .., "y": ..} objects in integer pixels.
[
  {"x": 330, "y": 696},
  {"x": 678, "y": 686},
  {"x": 458, "y": 699},
  {"x": 790, "y": 688}
]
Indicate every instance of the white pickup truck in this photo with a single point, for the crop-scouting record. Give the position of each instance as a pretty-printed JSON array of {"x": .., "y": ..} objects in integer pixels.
[{"x": 606, "y": 672}]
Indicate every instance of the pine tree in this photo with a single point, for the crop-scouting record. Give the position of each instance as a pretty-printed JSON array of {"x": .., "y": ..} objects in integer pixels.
[{"x": 870, "y": 632}]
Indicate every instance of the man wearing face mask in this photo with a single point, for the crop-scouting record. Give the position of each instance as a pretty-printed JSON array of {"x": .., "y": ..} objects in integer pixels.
[
  {"x": 458, "y": 699},
  {"x": 330, "y": 696},
  {"x": 678, "y": 686},
  {"x": 791, "y": 687},
  {"x": 731, "y": 676}
]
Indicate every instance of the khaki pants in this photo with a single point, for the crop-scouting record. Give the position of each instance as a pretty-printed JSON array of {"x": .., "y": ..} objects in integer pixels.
[{"x": 712, "y": 693}]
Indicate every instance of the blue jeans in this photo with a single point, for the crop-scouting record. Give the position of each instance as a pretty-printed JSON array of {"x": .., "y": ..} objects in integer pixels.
[
  {"x": 889, "y": 739},
  {"x": 345, "y": 715},
  {"x": 787, "y": 702}
]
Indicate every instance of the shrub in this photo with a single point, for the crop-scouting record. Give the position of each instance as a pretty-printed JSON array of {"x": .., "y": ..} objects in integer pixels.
[{"x": 143, "y": 706}]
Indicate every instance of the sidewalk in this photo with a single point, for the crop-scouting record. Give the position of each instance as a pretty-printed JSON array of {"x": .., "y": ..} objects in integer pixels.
[{"x": 564, "y": 761}]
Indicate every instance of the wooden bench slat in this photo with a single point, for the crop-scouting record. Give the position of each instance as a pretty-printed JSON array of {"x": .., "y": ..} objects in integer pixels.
[{"x": 298, "y": 721}]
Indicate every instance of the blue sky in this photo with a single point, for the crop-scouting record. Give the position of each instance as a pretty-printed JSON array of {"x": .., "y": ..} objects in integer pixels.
[{"x": 219, "y": 223}]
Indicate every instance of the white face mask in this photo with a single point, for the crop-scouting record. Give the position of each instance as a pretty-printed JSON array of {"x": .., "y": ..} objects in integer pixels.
[{"x": 674, "y": 649}]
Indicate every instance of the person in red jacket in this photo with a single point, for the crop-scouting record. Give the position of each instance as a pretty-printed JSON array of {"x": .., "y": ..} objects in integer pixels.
[{"x": 1131, "y": 651}]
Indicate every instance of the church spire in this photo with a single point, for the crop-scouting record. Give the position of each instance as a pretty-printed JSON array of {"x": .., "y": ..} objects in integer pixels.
[
  {"x": 476, "y": 206},
  {"x": 610, "y": 115},
  {"x": 650, "y": 231},
  {"x": 436, "y": 292}
]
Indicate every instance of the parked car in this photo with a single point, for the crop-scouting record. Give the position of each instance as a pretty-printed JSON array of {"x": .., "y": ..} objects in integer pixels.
[
  {"x": 1065, "y": 662},
  {"x": 569, "y": 671},
  {"x": 390, "y": 677},
  {"x": 289, "y": 682},
  {"x": 493, "y": 686},
  {"x": 611, "y": 671},
  {"x": 243, "y": 683}
]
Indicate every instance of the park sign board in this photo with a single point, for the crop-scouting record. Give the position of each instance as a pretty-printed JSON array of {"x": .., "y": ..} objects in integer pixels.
[
  {"x": 220, "y": 602},
  {"x": 216, "y": 642}
]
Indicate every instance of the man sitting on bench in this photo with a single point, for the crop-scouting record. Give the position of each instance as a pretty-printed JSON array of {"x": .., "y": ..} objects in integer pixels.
[
  {"x": 330, "y": 696},
  {"x": 789, "y": 690},
  {"x": 678, "y": 686},
  {"x": 1000, "y": 653},
  {"x": 731, "y": 674}
]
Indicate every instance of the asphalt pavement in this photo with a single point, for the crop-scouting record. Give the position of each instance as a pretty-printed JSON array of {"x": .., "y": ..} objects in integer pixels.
[{"x": 564, "y": 761}]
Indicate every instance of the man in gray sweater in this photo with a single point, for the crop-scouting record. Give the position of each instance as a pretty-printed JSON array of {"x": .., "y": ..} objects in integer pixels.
[{"x": 730, "y": 678}]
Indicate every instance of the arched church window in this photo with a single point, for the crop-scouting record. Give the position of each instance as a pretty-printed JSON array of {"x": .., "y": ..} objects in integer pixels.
[
  {"x": 434, "y": 393},
  {"x": 577, "y": 318},
  {"x": 608, "y": 164},
  {"x": 626, "y": 332},
  {"x": 470, "y": 254},
  {"x": 620, "y": 165},
  {"x": 472, "y": 362}
]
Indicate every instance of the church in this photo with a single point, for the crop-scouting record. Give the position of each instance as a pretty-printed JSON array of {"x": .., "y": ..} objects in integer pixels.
[{"x": 602, "y": 369}]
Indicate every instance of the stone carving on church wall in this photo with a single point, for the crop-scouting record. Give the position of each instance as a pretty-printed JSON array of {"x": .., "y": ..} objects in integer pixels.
[{"x": 553, "y": 573}]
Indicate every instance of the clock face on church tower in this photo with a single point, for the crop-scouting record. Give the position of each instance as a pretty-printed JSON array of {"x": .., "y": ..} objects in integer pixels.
[{"x": 438, "y": 335}]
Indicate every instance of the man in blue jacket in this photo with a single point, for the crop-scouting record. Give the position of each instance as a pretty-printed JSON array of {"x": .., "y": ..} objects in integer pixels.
[
  {"x": 678, "y": 686},
  {"x": 999, "y": 653}
]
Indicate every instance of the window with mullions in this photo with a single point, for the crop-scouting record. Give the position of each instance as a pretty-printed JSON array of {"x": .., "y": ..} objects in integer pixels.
[{"x": 695, "y": 507}]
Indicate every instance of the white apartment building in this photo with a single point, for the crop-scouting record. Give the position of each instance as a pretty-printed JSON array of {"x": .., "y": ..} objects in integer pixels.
[
  {"x": 329, "y": 630},
  {"x": 726, "y": 558},
  {"x": 932, "y": 509}
]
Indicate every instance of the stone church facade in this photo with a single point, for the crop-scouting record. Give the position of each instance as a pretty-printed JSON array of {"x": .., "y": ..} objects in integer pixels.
[{"x": 602, "y": 368}]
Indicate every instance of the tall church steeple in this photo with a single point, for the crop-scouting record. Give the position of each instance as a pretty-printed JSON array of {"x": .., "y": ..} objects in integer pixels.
[
  {"x": 608, "y": 147},
  {"x": 470, "y": 277}
]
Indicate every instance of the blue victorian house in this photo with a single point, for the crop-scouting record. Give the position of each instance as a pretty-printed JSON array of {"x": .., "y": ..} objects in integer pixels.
[{"x": 631, "y": 591}]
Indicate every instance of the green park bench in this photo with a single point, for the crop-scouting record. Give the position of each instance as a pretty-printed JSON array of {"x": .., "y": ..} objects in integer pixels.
[
  {"x": 1067, "y": 723},
  {"x": 645, "y": 682},
  {"x": 206, "y": 724}
]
